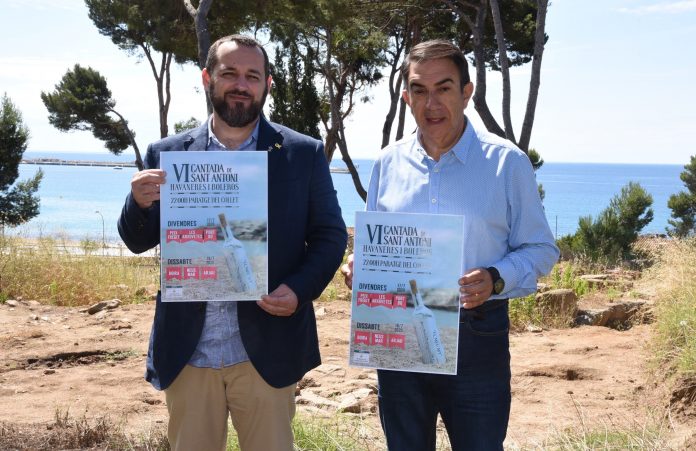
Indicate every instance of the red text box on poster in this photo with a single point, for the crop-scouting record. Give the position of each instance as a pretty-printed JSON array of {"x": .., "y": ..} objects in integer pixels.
[
  {"x": 361, "y": 337},
  {"x": 173, "y": 272},
  {"x": 208, "y": 273}
]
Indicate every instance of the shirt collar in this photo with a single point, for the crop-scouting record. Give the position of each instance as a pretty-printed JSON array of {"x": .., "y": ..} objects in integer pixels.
[
  {"x": 213, "y": 140},
  {"x": 460, "y": 149}
]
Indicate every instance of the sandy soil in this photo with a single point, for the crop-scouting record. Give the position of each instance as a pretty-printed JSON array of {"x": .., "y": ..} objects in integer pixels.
[{"x": 60, "y": 358}]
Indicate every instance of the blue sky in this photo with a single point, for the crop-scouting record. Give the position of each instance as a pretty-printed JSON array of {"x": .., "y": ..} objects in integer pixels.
[{"x": 617, "y": 82}]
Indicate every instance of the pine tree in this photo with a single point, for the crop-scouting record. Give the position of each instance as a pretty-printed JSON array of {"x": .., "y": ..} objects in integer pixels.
[
  {"x": 18, "y": 203},
  {"x": 295, "y": 100},
  {"x": 683, "y": 204}
]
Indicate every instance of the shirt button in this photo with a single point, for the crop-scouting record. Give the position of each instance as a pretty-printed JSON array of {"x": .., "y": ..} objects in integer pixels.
[
  {"x": 434, "y": 200},
  {"x": 437, "y": 169}
]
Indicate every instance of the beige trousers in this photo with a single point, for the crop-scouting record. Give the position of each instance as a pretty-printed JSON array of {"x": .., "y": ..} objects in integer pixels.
[{"x": 200, "y": 399}]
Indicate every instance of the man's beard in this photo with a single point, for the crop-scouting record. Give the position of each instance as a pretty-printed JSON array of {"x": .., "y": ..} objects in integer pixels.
[{"x": 236, "y": 115}]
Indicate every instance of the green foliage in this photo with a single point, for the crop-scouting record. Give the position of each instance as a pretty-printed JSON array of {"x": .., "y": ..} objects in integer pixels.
[
  {"x": 347, "y": 49},
  {"x": 683, "y": 204},
  {"x": 18, "y": 202},
  {"x": 524, "y": 312},
  {"x": 608, "y": 238},
  {"x": 537, "y": 163},
  {"x": 339, "y": 433},
  {"x": 135, "y": 25},
  {"x": 82, "y": 101},
  {"x": 14, "y": 136},
  {"x": 296, "y": 103},
  {"x": 188, "y": 124},
  {"x": 636, "y": 437},
  {"x": 567, "y": 276},
  {"x": 535, "y": 159}
]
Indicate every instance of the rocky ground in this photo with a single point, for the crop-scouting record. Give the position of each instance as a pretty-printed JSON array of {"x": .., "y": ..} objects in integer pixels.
[{"x": 65, "y": 359}]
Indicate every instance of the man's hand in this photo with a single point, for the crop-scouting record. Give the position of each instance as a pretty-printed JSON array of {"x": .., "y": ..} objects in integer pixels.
[
  {"x": 475, "y": 287},
  {"x": 280, "y": 302},
  {"x": 347, "y": 271},
  {"x": 145, "y": 186}
]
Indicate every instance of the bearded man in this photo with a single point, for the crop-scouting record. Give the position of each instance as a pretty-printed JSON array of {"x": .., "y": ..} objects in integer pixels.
[{"x": 221, "y": 359}]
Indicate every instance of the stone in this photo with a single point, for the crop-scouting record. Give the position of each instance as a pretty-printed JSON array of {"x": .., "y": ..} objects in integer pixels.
[
  {"x": 596, "y": 283},
  {"x": 594, "y": 277},
  {"x": 308, "y": 397},
  {"x": 320, "y": 312},
  {"x": 616, "y": 316},
  {"x": 11, "y": 303},
  {"x": 542, "y": 287},
  {"x": 329, "y": 369},
  {"x": 120, "y": 326},
  {"x": 353, "y": 402},
  {"x": 103, "y": 305},
  {"x": 559, "y": 302}
]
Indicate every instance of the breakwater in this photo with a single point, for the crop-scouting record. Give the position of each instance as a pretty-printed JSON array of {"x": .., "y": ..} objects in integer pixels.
[{"x": 60, "y": 162}]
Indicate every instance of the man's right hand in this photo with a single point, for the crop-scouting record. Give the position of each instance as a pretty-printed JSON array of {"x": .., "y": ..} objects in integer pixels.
[
  {"x": 347, "y": 271},
  {"x": 145, "y": 186}
]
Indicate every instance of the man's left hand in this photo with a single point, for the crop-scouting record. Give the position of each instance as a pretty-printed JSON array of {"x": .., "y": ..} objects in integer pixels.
[
  {"x": 475, "y": 287},
  {"x": 280, "y": 302}
]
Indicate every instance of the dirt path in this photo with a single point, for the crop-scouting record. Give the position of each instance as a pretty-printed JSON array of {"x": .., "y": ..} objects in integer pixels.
[{"x": 54, "y": 358}]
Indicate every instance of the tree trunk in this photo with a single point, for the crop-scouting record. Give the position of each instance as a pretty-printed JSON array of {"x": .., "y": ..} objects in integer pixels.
[
  {"x": 167, "y": 93},
  {"x": 138, "y": 158},
  {"x": 200, "y": 21},
  {"x": 504, "y": 68},
  {"x": 480, "y": 104},
  {"x": 395, "y": 95},
  {"x": 343, "y": 147},
  {"x": 163, "y": 94},
  {"x": 394, "y": 86},
  {"x": 402, "y": 120},
  {"x": 535, "y": 79}
]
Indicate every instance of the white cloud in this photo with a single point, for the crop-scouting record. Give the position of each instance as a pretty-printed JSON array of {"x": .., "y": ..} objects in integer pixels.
[{"x": 663, "y": 7}]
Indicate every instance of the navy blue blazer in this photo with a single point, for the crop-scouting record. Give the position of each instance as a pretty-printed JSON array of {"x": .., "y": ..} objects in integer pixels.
[{"x": 306, "y": 242}]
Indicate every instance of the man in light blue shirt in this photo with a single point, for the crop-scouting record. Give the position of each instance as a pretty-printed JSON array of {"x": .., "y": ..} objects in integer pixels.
[{"x": 449, "y": 167}]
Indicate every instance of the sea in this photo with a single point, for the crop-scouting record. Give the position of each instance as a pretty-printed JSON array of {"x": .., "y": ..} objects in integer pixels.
[{"x": 84, "y": 202}]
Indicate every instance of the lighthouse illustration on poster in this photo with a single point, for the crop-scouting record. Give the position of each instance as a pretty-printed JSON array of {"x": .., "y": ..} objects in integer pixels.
[
  {"x": 405, "y": 300},
  {"x": 214, "y": 226}
]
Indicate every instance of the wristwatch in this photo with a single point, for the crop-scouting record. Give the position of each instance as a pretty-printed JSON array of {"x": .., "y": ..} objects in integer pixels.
[{"x": 498, "y": 282}]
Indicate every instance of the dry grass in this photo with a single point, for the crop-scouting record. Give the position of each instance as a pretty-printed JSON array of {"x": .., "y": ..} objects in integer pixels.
[
  {"x": 47, "y": 271},
  {"x": 674, "y": 280},
  {"x": 68, "y": 433}
]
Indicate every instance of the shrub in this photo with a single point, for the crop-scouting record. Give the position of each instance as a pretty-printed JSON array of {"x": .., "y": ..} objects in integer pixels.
[{"x": 608, "y": 237}]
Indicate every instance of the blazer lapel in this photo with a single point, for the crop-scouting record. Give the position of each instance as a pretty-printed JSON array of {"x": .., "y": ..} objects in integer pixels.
[
  {"x": 197, "y": 139},
  {"x": 270, "y": 139}
]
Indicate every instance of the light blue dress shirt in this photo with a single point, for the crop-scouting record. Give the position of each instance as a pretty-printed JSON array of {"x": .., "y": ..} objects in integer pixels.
[
  {"x": 487, "y": 180},
  {"x": 221, "y": 344}
]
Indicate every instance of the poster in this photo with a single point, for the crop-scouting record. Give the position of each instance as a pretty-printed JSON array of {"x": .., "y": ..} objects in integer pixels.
[
  {"x": 405, "y": 301},
  {"x": 214, "y": 226}
]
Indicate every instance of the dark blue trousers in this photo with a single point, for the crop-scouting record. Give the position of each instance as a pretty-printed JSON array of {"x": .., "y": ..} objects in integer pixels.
[{"x": 474, "y": 403}]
